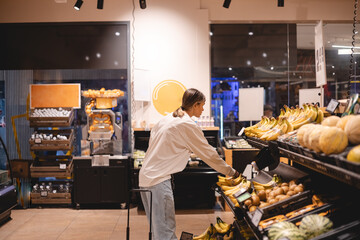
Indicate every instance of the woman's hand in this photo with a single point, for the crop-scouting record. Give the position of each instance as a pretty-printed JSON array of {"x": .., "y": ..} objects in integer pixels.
[{"x": 237, "y": 174}]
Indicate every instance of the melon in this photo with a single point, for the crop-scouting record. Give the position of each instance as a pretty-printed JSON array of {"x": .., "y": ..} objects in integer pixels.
[
  {"x": 333, "y": 140},
  {"x": 276, "y": 228},
  {"x": 301, "y": 132},
  {"x": 330, "y": 121},
  {"x": 354, "y": 154},
  {"x": 314, "y": 137},
  {"x": 352, "y": 130},
  {"x": 343, "y": 120},
  {"x": 314, "y": 225},
  {"x": 307, "y": 134}
]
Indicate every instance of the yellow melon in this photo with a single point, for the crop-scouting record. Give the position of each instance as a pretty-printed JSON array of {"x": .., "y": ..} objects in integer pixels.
[
  {"x": 314, "y": 137},
  {"x": 309, "y": 130},
  {"x": 343, "y": 120},
  {"x": 333, "y": 140},
  {"x": 354, "y": 154},
  {"x": 301, "y": 132},
  {"x": 330, "y": 121},
  {"x": 352, "y": 130}
]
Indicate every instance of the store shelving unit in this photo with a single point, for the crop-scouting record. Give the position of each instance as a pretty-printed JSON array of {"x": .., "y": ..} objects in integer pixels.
[
  {"x": 47, "y": 162},
  {"x": 329, "y": 176}
]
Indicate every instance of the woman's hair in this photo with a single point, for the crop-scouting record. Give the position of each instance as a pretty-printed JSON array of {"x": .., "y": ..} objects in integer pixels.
[{"x": 191, "y": 96}]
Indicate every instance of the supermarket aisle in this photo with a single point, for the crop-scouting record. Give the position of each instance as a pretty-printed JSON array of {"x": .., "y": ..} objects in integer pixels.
[{"x": 66, "y": 223}]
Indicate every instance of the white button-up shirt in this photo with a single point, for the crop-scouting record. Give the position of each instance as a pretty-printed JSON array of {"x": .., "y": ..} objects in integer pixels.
[{"x": 171, "y": 142}]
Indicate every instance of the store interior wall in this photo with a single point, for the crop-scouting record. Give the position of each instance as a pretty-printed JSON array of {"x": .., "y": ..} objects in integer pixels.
[{"x": 171, "y": 40}]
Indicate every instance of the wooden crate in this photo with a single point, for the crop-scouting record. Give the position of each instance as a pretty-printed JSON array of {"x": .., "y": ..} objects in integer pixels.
[
  {"x": 52, "y": 121},
  {"x": 51, "y": 198},
  {"x": 53, "y": 145},
  {"x": 51, "y": 169}
]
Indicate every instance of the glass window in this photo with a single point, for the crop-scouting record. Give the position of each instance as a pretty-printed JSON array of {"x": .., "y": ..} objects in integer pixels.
[
  {"x": 279, "y": 58},
  {"x": 96, "y": 55}
]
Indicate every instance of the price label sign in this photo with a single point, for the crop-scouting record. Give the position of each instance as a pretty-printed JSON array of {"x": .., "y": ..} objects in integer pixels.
[
  {"x": 257, "y": 216},
  {"x": 186, "y": 236},
  {"x": 62, "y": 166},
  {"x": 43, "y": 193},
  {"x": 242, "y": 195},
  {"x": 331, "y": 107},
  {"x": 37, "y": 140}
]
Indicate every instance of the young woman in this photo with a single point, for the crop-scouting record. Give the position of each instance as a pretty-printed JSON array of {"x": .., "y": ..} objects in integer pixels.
[{"x": 172, "y": 140}]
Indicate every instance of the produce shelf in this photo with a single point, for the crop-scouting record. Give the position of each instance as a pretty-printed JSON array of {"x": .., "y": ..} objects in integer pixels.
[
  {"x": 256, "y": 142},
  {"x": 51, "y": 198},
  {"x": 51, "y": 169},
  {"x": 52, "y": 121},
  {"x": 341, "y": 174},
  {"x": 53, "y": 145}
]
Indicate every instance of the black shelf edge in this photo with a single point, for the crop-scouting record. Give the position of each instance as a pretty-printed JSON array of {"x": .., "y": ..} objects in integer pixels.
[
  {"x": 257, "y": 143},
  {"x": 332, "y": 171}
]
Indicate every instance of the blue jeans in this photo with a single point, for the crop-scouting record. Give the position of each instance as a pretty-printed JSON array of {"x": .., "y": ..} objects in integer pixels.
[{"x": 163, "y": 210}]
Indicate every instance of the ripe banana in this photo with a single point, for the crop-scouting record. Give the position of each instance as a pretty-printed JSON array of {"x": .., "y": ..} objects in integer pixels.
[
  {"x": 207, "y": 234},
  {"x": 263, "y": 186},
  {"x": 221, "y": 226},
  {"x": 320, "y": 116}
]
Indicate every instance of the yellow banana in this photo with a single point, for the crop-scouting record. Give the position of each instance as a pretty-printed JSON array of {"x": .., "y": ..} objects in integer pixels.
[
  {"x": 206, "y": 235},
  {"x": 223, "y": 226},
  {"x": 230, "y": 236},
  {"x": 320, "y": 116}
]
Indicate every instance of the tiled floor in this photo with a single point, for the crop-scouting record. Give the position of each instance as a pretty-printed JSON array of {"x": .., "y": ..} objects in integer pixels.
[{"x": 68, "y": 223}]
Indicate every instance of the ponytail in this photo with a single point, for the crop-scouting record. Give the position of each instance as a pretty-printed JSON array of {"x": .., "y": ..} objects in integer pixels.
[
  {"x": 191, "y": 96},
  {"x": 179, "y": 112}
]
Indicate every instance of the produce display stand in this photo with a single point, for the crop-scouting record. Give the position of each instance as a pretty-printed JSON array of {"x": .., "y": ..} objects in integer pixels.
[
  {"x": 47, "y": 161},
  {"x": 60, "y": 169},
  {"x": 51, "y": 198},
  {"x": 53, "y": 145},
  {"x": 342, "y": 212},
  {"x": 341, "y": 174},
  {"x": 64, "y": 121}
]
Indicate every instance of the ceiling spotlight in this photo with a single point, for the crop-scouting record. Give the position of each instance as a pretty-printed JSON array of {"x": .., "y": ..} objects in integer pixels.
[
  {"x": 142, "y": 4},
  {"x": 78, "y": 4},
  {"x": 226, "y": 3},
  {"x": 280, "y": 3},
  {"x": 100, "y": 4}
]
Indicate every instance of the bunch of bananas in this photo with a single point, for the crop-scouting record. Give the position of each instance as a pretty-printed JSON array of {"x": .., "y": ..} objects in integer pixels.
[
  {"x": 276, "y": 180},
  {"x": 220, "y": 228},
  {"x": 232, "y": 185},
  {"x": 290, "y": 119}
]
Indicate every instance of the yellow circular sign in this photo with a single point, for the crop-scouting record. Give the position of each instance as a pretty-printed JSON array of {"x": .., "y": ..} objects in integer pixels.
[{"x": 167, "y": 96}]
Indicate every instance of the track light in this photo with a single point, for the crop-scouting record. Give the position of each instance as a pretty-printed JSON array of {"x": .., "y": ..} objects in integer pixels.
[
  {"x": 100, "y": 4},
  {"x": 78, "y": 4},
  {"x": 226, "y": 3},
  {"x": 280, "y": 3},
  {"x": 142, "y": 4}
]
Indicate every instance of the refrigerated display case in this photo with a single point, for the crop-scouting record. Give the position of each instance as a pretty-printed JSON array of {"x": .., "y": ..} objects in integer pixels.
[{"x": 8, "y": 193}]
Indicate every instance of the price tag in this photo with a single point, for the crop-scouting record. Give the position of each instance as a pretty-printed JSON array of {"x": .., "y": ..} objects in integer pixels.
[
  {"x": 43, "y": 193},
  {"x": 37, "y": 140},
  {"x": 257, "y": 216},
  {"x": 242, "y": 195},
  {"x": 241, "y": 132},
  {"x": 186, "y": 236},
  {"x": 331, "y": 107},
  {"x": 62, "y": 166}
]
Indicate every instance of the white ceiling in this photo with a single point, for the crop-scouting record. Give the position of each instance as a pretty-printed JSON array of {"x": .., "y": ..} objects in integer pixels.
[{"x": 334, "y": 34}]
